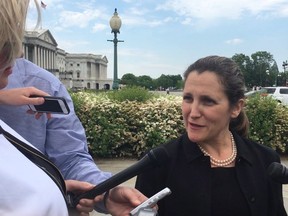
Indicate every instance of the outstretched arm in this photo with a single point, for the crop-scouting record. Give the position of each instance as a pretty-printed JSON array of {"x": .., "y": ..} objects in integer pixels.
[{"x": 21, "y": 96}]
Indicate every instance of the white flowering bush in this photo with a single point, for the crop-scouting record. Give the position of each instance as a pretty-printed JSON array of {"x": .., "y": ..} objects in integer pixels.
[
  {"x": 128, "y": 128},
  {"x": 268, "y": 122}
]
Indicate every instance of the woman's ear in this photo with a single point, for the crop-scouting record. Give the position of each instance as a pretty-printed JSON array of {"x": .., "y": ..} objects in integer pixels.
[{"x": 237, "y": 108}]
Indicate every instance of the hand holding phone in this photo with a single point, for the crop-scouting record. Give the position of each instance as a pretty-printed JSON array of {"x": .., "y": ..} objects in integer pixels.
[
  {"x": 149, "y": 203},
  {"x": 57, "y": 105}
]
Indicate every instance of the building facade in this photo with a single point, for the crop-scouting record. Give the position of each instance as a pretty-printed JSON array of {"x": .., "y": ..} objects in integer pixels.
[{"x": 80, "y": 71}]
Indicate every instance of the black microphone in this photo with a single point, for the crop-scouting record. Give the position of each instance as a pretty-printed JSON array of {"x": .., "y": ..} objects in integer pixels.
[
  {"x": 154, "y": 157},
  {"x": 278, "y": 172}
]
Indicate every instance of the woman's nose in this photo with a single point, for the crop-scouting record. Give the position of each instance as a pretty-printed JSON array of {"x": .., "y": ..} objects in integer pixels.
[{"x": 194, "y": 110}]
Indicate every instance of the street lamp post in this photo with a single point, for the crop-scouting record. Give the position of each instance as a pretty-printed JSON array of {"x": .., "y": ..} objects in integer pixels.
[
  {"x": 285, "y": 64},
  {"x": 115, "y": 24}
]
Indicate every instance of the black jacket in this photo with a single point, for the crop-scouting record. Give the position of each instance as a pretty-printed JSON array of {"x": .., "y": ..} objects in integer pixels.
[{"x": 188, "y": 175}]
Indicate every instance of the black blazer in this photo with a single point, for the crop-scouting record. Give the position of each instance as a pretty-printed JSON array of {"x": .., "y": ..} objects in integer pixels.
[{"x": 188, "y": 175}]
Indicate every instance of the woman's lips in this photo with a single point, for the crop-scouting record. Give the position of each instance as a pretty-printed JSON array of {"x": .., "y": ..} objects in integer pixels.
[{"x": 195, "y": 126}]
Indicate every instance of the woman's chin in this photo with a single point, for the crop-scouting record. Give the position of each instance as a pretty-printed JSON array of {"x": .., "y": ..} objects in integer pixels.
[{"x": 193, "y": 138}]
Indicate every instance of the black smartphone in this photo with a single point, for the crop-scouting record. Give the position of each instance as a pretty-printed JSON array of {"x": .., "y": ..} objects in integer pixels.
[{"x": 57, "y": 105}]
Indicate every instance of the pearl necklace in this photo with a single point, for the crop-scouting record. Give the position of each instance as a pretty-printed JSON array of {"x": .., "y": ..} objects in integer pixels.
[{"x": 225, "y": 162}]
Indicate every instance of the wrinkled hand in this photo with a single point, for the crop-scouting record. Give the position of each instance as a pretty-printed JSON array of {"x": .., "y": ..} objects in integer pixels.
[
  {"x": 122, "y": 200},
  {"x": 77, "y": 187},
  {"x": 21, "y": 96}
]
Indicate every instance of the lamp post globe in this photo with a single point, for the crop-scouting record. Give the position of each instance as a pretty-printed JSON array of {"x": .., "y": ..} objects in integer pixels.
[{"x": 115, "y": 24}]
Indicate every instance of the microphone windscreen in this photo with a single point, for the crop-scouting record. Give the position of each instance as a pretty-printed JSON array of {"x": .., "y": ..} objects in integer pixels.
[
  {"x": 278, "y": 172},
  {"x": 274, "y": 169},
  {"x": 159, "y": 155}
]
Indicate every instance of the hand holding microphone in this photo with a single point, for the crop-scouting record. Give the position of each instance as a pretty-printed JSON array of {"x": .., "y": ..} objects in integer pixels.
[{"x": 154, "y": 157}]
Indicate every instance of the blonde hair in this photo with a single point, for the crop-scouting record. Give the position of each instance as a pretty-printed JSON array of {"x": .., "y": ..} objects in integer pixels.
[{"x": 12, "y": 26}]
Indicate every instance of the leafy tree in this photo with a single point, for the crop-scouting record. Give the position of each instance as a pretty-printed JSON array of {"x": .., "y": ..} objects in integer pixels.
[
  {"x": 129, "y": 79},
  {"x": 164, "y": 81},
  {"x": 259, "y": 70},
  {"x": 180, "y": 84},
  {"x": 246, "y": 66},
  {"x": 177, "y": 81},
  {"x": 265, "y": 67},
  {"x": 145, "y": 81},
  {"x": 167, "y": 81}
]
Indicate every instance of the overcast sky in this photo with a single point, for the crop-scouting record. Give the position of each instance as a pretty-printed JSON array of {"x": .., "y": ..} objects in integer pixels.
[{"x": 166, "y": 36}]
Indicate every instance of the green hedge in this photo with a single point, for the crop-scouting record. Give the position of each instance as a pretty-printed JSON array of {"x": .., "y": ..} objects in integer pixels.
[
  {"x": 128, "y": 128},
  {"x": 268, "y": 122}
]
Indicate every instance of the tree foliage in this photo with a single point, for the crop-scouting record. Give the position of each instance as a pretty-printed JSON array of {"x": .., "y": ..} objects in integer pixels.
[
  {"x": 146, "y": 82},
  {"x": 259, "y": 70},
  {"x": 128, "y": 79},
  {"x": 163, "y": 82}
]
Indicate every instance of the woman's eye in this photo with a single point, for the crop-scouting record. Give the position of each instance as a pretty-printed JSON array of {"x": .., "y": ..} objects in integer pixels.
[
  {"x": 187, "y": 98},
  {"x": 208, "y": 101}
]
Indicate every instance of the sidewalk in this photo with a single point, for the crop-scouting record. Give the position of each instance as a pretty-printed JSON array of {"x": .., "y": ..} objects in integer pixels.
[{"x": 117, "y": 165}]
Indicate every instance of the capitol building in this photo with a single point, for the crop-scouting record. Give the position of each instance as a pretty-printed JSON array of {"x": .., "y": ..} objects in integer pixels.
[{"x": 75, "y": 70}]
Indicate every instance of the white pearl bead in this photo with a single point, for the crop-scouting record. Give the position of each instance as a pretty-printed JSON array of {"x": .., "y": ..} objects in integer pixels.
[{"x": 225, "y": 162}]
